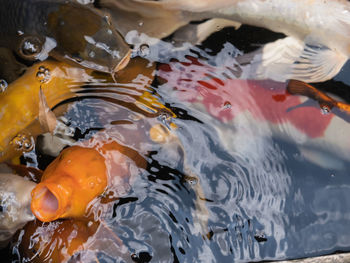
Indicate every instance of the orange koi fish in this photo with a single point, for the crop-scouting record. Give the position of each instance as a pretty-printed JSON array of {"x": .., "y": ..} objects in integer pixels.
[
  {"x": 77, "y": 176},
  {"x": 81, "y": 173},
  {"x": 70, "y": 184},
  {"x": 69, "y": 240}
]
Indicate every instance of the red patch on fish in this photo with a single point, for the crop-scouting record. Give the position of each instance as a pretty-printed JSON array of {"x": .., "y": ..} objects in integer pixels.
[{"x": 225, "y": 98}]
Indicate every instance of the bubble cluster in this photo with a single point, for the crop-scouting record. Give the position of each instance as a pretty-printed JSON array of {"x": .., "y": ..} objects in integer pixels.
[
  {"x": 23, "y": 142},
  {"x": 43, "y": 74}
]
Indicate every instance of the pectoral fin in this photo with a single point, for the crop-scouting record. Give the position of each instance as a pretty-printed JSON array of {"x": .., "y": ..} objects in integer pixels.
[
  {"x": 46, "y": 117},
  {"x": 290, "y": 58}
]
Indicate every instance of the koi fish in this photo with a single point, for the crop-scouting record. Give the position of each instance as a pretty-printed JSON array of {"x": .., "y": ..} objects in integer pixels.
[
  {"x": 315, "y": 49},
  {"x": 67, "y": 187},
  {"x": 48, "y": 83},
  {"x": 56, "y": 243},
  {"x": 19, "y": 102},
  {"x": 14, "y": 204},
  {"x": 245, "y": 109},
  {"x": 65, "y": 30}
]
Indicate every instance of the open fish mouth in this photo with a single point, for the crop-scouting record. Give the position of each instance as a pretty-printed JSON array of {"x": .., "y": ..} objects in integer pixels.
[
  {"x": 124, "y": 62},
  {"x": 121, "y": 65}
]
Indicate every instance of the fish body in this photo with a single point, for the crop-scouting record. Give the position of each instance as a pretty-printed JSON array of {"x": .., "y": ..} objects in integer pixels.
[
  {"x": 244, "y": 109},
  {"x": 19, "y": 102},
  {"x": 14, "y": 204},
  {"x": 77, "y": 176},
  {"x": 315, "y": 49},
  {"x": 68, "y": 31},
  {"x": 67, "y": 186}
]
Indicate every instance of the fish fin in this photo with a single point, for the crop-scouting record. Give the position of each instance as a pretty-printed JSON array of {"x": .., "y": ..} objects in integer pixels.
[
  {"x": 197, "y": 33},
  {"x": 272, "y": 61},
  {"x": 297, "y": 87},
  {"x": 47, "y": 118},
  {"x": 290, "y": 58},
  {"x": 318, "y": 63},
  {"x": 149, "y": 17}
]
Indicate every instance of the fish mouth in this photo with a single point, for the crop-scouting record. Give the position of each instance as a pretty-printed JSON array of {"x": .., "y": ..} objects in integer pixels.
[
  {"x": 123, "y": 63},
  {"x": 45, "y": 203}
]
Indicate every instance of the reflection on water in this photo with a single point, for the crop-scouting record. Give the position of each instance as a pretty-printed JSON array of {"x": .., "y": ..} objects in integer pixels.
[{"x": 247, "y": 173}]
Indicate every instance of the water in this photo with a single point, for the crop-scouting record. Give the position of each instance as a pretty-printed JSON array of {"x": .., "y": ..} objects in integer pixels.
[{"x": 240, "y": 170}]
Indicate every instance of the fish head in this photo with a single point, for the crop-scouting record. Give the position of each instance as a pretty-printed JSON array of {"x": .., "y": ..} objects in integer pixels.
[
  {"x": 86, "y": 37},
  {"x": 14, "y": 204}
]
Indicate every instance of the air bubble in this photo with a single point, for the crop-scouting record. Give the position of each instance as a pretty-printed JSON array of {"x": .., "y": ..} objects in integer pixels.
[
  {"x": 227, "y": 105},
  {"x": 191, "y": 180},
  {"x": 325, "y": 110},
  {"x": 23, "y": 143},
  {"x": 3, "y": 85},
  {"x": 165, "y": 119},
  {"x": 43, "y": 74},
  {"x": 30, "y": 47},
  {"x": 144, "y": 50}
]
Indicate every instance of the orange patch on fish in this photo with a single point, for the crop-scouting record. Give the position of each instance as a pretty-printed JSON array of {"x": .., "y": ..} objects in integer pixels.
[{"x": 227, "y": 98}]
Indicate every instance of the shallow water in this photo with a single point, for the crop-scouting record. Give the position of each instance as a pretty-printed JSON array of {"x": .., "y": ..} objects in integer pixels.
[{"x": 249, "y": 174}]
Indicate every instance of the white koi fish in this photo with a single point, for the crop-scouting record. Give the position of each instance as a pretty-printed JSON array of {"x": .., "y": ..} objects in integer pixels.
[
  {"x": 248, "y": 114},
  {"x": 315, "y": 49},
  {"x": 14, "y": 204}
]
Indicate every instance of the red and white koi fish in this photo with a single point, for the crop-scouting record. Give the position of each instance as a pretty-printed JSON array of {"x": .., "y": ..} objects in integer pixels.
[
  {"x": 248, "y": 113},
  {"x": 315, "y": 49}
]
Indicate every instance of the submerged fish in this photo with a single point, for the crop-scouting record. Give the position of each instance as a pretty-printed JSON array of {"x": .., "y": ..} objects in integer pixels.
[
  {"x": 244, "y": 109},
  {"x": 315, "y": 49},
  {"x": 69, "y": 240},
  {"x": 35, "y": 29}
]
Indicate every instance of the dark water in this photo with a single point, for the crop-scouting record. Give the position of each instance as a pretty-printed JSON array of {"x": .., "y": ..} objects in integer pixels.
[{"x": 225, "y": 188}]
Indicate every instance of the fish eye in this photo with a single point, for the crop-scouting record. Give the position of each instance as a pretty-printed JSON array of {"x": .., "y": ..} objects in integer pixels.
[
  {"x": 30, "y": 46},
  {"x": 2, "y": 209}
]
